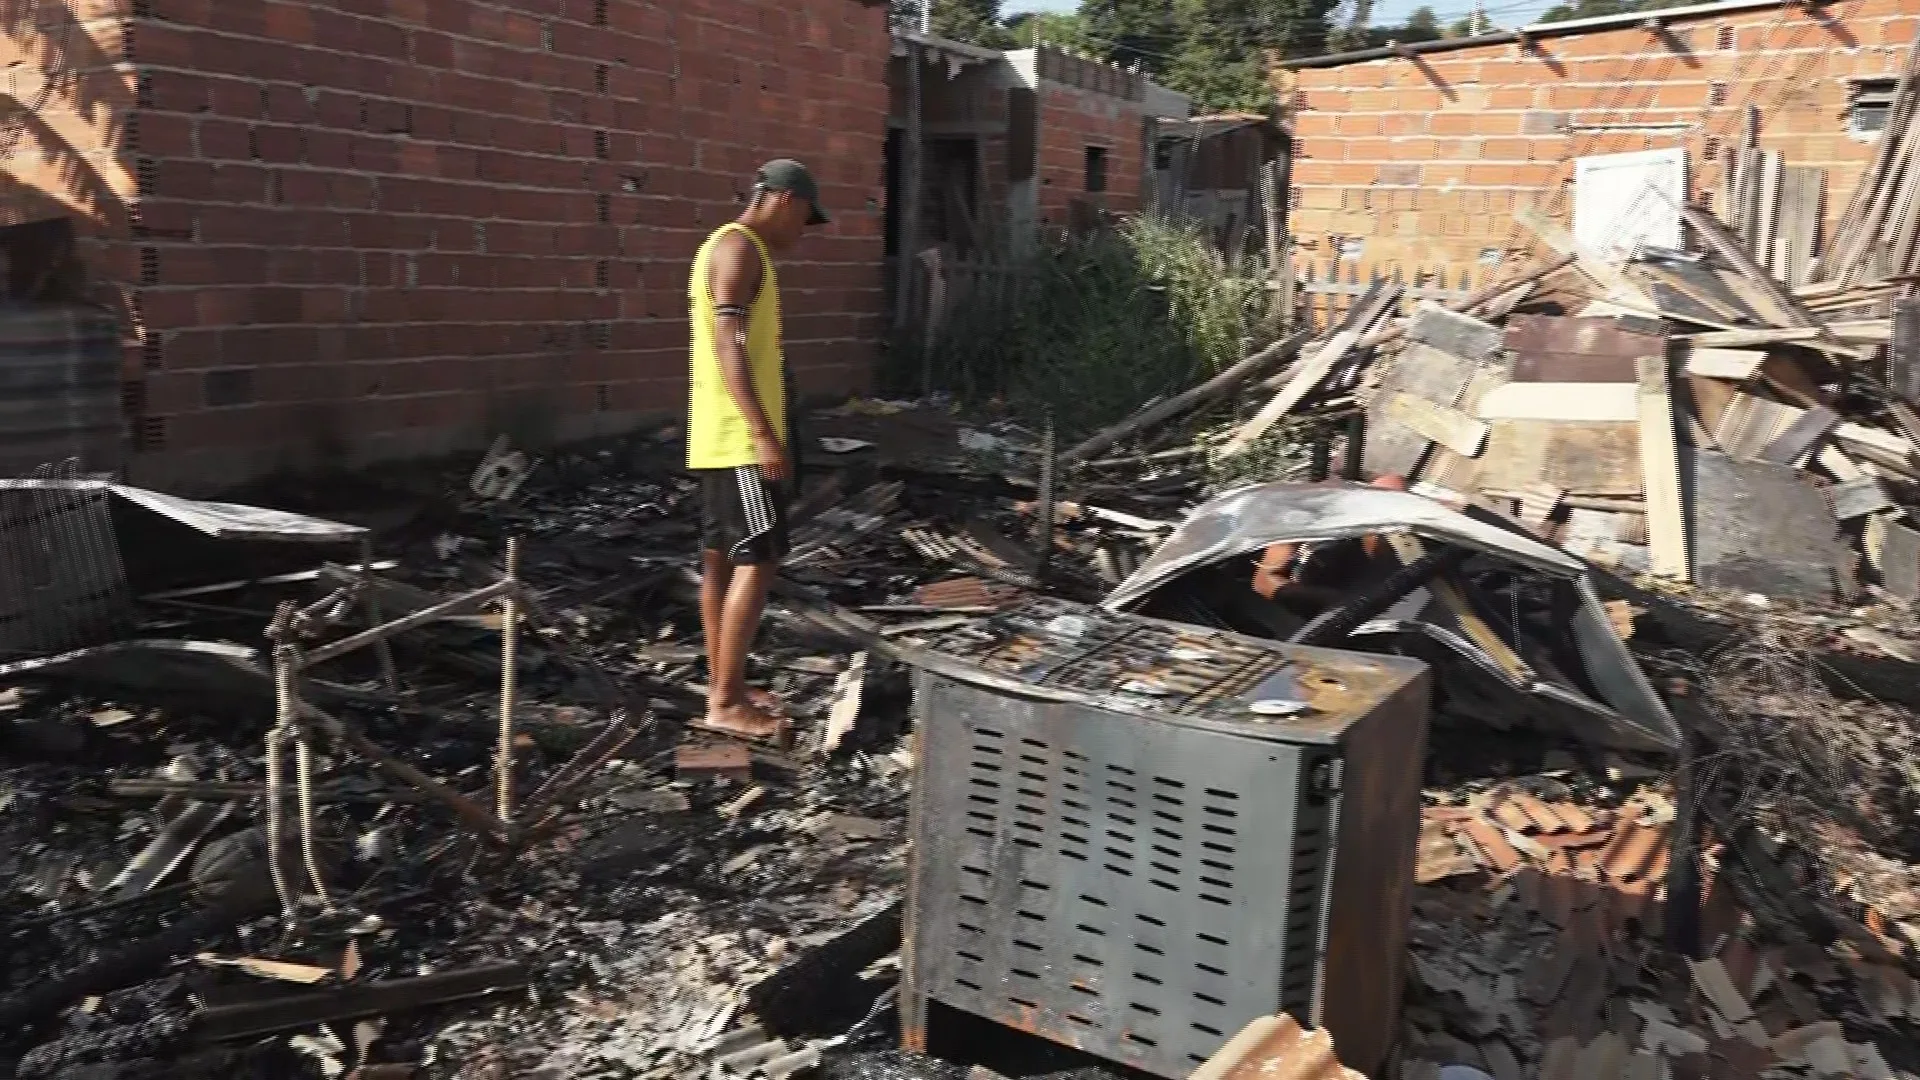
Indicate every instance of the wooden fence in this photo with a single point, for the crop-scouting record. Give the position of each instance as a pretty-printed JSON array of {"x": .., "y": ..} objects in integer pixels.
[{"x": 1324, "y": 294}]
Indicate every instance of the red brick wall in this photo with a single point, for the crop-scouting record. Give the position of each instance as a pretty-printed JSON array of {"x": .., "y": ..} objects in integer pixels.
[
  {"x": 367, "y": 228},
  {"x": 1426, "y": 160},
  {"x": 1071, "y": 120}
]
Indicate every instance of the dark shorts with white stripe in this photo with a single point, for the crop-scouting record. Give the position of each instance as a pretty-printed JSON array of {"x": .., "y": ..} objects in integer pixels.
[{"x": 742, "y": 515}]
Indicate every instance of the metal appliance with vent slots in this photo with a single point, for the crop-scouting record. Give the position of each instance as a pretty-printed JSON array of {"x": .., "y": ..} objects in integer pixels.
[{"x": 1133, "y": 836}]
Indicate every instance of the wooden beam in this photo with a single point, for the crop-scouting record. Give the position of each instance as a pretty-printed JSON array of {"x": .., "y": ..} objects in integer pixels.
[
  {"x": 1449, "y": 427},
  {"x": 1312, "y": 372},
  {"x": 1660, "y": 459},
  {"x": 1738, "y": 365}
]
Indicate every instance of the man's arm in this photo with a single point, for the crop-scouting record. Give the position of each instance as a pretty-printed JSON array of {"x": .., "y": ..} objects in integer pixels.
[{"x": 734, "y": 283}]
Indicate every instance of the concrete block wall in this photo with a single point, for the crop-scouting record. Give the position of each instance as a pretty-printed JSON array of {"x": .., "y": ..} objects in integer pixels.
[
  {"x": 1424, "y": 161},
  {"x": 356, "y": 229}
]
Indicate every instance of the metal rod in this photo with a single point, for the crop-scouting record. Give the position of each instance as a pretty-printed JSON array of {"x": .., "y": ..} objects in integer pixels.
[
  {"x": 1331, "y": 626},
  {"x": 389, "y": 675},
  {"x": 509, "y": 682},
  {"x": 473, "y": 814},
  {"x": 459, "y": 605},
  {"x": 1043, "y": 528}
]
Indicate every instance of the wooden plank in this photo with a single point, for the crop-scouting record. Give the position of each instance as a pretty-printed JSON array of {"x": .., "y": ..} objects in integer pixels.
[
  {"x": 1580, "y": 458},
  {"x": 1903, "y": 353},
  {"x": 1736, "y": 364},
  {"x": 1767, "y": 211},
  {"x": 1604, "y": 273},
  {"x": 1900, "y": 561},
  {"x": 1660, "y": 465},
  {"x": 1750, "y": 424},
  {"x": 1449, "y": 427},
  {"x": 1791, "y": 445},
  {"x": 1804, "y": 186},
  {"x": 1858, "y": 497},
  {"x": 1423, "y": 371},
  {"x": 1763, "y": 528},
  {"x": 1792, "y": 311},
  {"x": 1457, "y": 471},
  {"x": 1452, "y": 332},
  {"x": 1549, "y": 348},
  {"x": 1312, "y": 372},
  {"x": 1603, "y": 402}
]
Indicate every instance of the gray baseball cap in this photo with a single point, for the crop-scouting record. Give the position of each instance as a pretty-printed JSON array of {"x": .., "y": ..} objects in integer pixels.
[{"x": 786, "y": 174}]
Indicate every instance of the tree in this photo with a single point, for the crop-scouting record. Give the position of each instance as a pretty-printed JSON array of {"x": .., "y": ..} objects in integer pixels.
[
  {"x": 976, "y": 22},
  {"x": 1224, "y": 48},
  {"x": 1053, "y": 28},
  {"x": 1143, "y": 32},
  {"x": 1471, "y": 26},
  {"x": 1421, "y": 25}
]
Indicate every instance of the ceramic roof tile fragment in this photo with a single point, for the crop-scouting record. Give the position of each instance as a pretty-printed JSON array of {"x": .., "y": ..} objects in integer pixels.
[
  {"x": 1496, "y": 854},
  {"x": 1276, "y": 1048}
]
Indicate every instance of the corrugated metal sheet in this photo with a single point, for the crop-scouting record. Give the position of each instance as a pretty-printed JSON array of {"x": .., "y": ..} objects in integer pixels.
[{"x": 59, "y": 388}]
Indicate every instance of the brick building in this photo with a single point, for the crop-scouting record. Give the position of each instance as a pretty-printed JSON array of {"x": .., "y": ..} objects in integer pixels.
[
  {"x": 355, "y": 229},
  {"x": 1416, "y": 157},
  {"x": 1011, "y": 141}
]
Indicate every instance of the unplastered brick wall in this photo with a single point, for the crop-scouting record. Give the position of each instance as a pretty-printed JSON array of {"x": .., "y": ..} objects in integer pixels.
[
  {"x": 1073, "y": 120},
  {"x": 1419, "y": 163},
  {"x": 372, "y": 228}
]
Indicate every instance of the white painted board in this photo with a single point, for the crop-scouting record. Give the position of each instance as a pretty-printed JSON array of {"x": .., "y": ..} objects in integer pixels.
[{"x": 1621, "y": 201}]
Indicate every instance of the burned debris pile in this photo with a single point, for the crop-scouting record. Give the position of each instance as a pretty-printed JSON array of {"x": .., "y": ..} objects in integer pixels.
[{"x": 414, "y": 794}]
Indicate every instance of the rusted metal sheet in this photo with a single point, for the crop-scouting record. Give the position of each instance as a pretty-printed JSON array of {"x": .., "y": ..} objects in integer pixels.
[{"x": 1553, "y": 348}]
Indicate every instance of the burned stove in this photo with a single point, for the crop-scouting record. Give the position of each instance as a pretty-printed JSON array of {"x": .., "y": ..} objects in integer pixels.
[{"x": 1133, "y": 836}]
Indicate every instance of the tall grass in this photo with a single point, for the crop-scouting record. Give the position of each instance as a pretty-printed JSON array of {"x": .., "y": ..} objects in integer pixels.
[{"x": 1097, "y": 327}]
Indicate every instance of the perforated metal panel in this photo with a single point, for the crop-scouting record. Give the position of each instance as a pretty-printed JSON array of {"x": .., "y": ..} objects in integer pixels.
[
  {"x": 1139, "y": 879},
  {"x": 1118, "y": 885}
]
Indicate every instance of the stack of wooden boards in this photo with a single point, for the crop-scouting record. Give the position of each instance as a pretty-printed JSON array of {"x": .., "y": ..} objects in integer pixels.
[
  {"x": 1761, "y": 457},
  {"x": 1879, "y": 235}
]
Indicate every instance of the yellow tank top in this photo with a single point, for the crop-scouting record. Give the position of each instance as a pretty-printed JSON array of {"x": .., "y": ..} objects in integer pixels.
[{"x": 717, "y": 434}]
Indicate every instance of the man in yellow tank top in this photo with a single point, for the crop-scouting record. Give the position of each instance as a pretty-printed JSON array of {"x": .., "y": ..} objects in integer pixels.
[{"x": 739, "y": 442}]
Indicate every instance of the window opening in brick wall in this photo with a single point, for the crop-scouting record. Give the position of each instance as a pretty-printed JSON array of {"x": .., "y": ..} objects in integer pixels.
[
  {"x": 39, "y": 262},
  {"x": 1868, "y": 107},
  {"x": 1723, "y": 38},
  {"x": 1096, "y": 169}
]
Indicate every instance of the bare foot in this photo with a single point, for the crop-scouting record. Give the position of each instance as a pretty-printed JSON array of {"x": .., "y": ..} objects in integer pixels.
[
  {"x": 766, "y": 700},
  {"x": 746, "y": 720}
]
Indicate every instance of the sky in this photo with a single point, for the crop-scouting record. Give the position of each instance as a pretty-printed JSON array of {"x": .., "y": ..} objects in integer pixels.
[{"x": 1501, "y": 12}]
